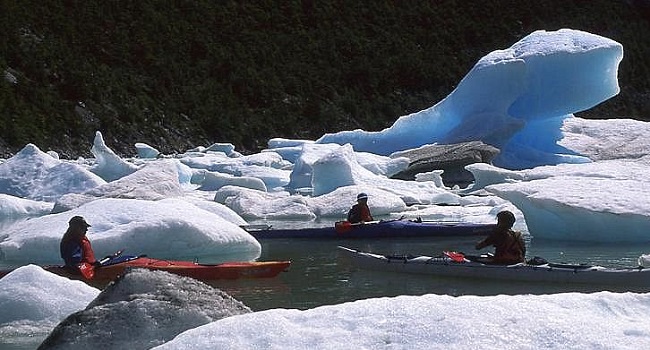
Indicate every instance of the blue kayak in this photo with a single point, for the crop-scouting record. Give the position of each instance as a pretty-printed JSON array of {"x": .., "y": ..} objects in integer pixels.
[{"x": 377, "y": 229}]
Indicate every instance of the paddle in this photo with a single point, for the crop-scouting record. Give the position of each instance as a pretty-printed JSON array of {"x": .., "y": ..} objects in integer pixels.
[
  {"x": 346, "y": 226},
  {"x": 87, "y": 269},
  {"x": 455, "y": 256},
  {"x": 342, "y": 226},
  {"x": 108, "y": 258}
]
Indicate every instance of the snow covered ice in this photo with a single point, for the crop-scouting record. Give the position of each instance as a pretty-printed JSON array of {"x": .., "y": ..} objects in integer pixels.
[
  {"x": 524, "y": 93},
  {"x": 163, "y": 228},
  {"x": 566, "y": 178},
  {"x": 567, "y": 321},
  {"x": 33, "y": 301}
]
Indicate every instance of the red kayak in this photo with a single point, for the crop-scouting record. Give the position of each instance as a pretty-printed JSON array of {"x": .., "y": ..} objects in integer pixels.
[{"x": 203, "y": 272}]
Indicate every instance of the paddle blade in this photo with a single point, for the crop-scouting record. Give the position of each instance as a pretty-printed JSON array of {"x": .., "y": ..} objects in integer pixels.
[
  {"x": 342, "y": 226},
  {"x": 87, "y": 270},
  {"x": 455, "y": 256}
]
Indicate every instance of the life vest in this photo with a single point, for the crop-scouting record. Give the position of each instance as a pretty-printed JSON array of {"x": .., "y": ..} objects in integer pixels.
[
  {"x": 354, "y": 215},
  {"x": 513, "y": 250},
  {"x": 74, "y": 253},
  {"x": 358, "y": 213}
]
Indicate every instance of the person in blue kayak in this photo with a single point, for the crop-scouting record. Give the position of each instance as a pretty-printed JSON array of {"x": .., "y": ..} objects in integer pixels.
[
  {"x": 360, "y": 212},
  {"x": 509, "y": 246},
  {"x": 75, "y": 247}
]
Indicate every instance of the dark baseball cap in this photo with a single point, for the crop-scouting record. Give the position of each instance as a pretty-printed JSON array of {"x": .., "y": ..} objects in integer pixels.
[{"x": 78, "y": 220}]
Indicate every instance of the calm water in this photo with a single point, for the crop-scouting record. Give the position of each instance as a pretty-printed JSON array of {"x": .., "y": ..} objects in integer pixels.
[{"x": 320, "y": 275}]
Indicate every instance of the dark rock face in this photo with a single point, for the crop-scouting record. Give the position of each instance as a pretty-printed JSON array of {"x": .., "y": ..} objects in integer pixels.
[
  {"x": 143, "y": 309},
  {"x": 450, "y": 158}
]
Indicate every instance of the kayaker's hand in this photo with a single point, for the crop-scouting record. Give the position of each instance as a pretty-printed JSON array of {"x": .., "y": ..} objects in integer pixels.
[{"x": 97, "y": 264}]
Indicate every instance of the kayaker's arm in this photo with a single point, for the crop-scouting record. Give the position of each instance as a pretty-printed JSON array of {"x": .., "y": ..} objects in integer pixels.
[{"x": 482, "y": 244}]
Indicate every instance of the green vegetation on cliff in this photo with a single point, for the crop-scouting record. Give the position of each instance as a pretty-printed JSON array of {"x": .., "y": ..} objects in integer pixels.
[{"x": 186, "y": 73}]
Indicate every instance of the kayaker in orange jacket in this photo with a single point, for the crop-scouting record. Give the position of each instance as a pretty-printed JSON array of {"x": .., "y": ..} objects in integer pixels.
[
  {"x": 360, "y": 212},
  {"x": 75, "y": 248},
  {"x": 509, "y": 245}
]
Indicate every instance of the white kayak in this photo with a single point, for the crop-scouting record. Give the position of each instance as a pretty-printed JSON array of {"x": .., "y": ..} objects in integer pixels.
[{"x": 455, "y": 265}]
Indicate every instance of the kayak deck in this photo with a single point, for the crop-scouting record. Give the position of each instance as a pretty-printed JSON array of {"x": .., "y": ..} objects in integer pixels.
[
  {"x": 203, "y": 272},
  {"x": 378, "y": 229}
]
